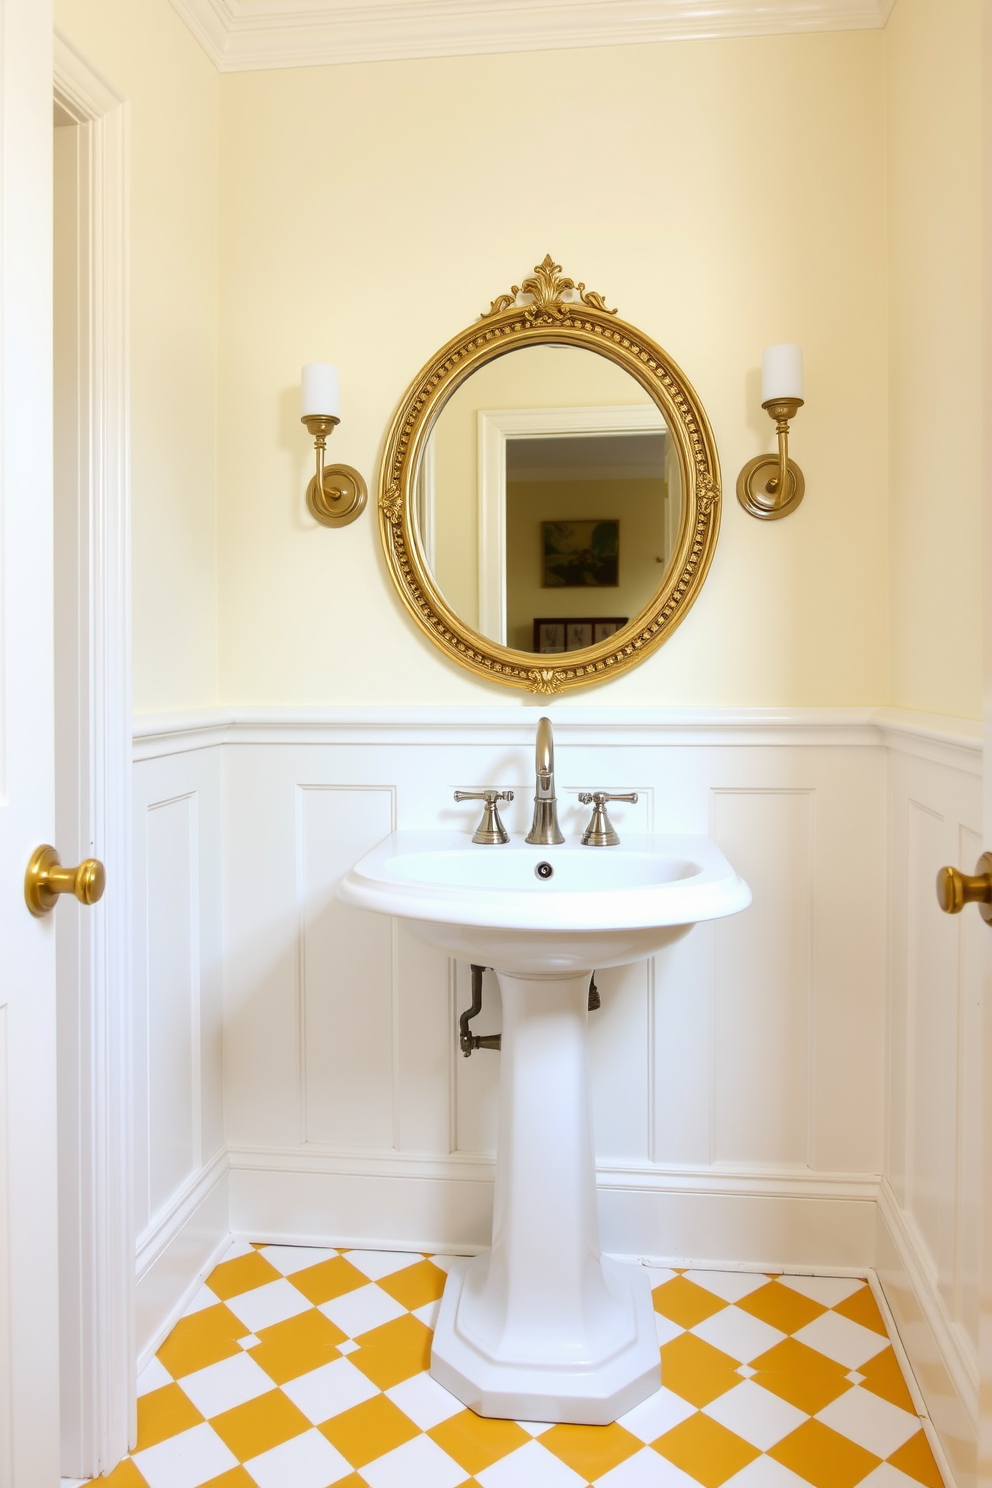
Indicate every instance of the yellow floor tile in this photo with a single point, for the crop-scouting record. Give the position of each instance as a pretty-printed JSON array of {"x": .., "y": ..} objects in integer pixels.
[
  {"x": 706, "y": 1450},
  {"x": 800, "y": 1375},
  {"x": 781, "y": 1307},
  {"x": 415, "y": 1286},
  {"x": 328, "y": 1279},
  {"x": 394, "y": 1352},
  {"x": 369, "y": 1430},
  {"x": 824, "y": 1458},
  {"x": 685, "y": 1303},
  {"x": 882, "y": 1376},
  {"x": 124, "y": 1475},
  {"x": 236, "y": 1478},
  {"x": 696, "y": 1370},
  {"x": 243, "y": 1274},
  {"x": 259, "y": 1424},
  {"x": 163, "y": 1413},
  {"x": 204, "y": 1338},
  {"x": 915, "y": 1459},
  {"x": 296, "y": 1346},
  {"x": 476, "y": 1442},
  {"x": 862, "y": 1308},
  {"x": 591, "y": 1451}
]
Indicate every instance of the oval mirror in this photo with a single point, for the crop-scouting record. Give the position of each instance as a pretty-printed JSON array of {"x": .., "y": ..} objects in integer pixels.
[{"x": 549, "y": 497}]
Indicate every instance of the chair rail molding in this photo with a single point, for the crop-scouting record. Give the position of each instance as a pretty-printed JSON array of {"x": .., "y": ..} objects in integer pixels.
[{"x": 244, "y": 37}]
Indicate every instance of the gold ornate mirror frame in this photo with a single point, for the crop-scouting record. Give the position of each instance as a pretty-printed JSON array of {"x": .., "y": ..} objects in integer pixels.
[{"x": 549, "y": 309}]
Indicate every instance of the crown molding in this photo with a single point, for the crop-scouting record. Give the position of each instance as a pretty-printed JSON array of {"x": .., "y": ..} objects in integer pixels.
[{"x": 251, "y": 35}]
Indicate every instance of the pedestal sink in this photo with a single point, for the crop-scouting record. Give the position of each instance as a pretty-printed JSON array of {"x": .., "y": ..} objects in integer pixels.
[{"x": 544, "y": 1328}]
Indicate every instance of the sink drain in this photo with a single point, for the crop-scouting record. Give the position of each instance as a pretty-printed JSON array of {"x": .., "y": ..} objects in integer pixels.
[{"x": 544, "y": 870}]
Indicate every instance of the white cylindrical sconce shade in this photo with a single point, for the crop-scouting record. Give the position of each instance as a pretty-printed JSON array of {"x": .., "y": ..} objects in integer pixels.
[
  {"x": 321, "y": 396},
  {"x": 781, "y": 373}
]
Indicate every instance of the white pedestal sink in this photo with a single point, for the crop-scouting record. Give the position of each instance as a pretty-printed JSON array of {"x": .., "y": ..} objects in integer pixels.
[{"x": 544, "y": 1328}]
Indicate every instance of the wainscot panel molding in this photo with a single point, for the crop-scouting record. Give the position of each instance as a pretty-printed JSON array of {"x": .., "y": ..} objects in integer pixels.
[
  {"x": 796, "y": 1087},
  {"x": 240, "y": 37}
]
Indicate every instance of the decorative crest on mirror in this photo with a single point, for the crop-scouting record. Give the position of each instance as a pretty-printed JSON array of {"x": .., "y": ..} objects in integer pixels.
[
  {"x": 551, "y": 293},
  {"x": 550, "y": 309}
]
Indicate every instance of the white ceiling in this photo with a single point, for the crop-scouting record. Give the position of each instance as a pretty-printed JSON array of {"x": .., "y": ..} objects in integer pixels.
[{"x": 244, "y": 35}]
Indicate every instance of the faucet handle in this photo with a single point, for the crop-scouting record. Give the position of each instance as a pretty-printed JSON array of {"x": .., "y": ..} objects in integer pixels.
[
  {"x": 600, "y": 831},
  {"x": 490, "y": 830}
]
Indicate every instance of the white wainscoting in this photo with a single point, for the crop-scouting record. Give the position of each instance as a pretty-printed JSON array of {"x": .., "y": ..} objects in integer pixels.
[
  {"x": 180, "y": 1161},
  {"x": 739, "y": 1078}
]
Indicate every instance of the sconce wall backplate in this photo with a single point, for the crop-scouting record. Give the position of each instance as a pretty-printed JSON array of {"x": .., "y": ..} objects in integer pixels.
[
  {"x": 342, "y": 497},
  {"x": 754, "y": 495}
]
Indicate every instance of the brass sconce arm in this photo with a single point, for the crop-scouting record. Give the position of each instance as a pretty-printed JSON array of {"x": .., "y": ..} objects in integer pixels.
[
  {"x": 770, "y": 487},
  {"x": 337, "y": 493}
]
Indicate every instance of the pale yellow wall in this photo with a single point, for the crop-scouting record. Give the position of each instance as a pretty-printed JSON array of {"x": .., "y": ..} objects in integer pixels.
[
  {"x": 148, "y": 55},
  {"x": 933, "y": 65},
  {"x": 369, "y": 212},
  {"x": 638, "y": 505}
]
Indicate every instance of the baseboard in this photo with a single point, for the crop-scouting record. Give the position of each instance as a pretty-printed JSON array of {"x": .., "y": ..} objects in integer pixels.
[
  {"x": 787, "y": 1219},
  {"x": 179, "y": 1264},
  {"x": 938, "y": 1356}
]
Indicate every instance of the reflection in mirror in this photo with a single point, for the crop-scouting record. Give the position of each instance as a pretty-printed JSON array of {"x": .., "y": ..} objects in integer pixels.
[{"x": 549, "y": 499}]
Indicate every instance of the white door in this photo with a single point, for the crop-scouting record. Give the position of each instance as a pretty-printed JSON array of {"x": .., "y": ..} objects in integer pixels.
[{"x": 29, "y": 1404}]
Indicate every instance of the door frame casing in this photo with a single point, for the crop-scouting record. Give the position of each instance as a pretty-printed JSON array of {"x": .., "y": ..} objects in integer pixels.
[{"x": 93, "y": 688}]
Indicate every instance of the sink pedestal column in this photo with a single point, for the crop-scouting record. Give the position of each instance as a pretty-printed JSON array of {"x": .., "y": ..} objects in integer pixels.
[{"x": 543, "y": 1328}]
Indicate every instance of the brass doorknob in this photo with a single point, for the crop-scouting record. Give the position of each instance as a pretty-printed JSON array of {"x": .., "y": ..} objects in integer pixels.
[
  {"x": 46, "y": 879},
  {"x": 956, "y": 889}
]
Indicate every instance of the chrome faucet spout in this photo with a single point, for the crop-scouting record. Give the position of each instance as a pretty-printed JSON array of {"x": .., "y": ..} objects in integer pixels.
[{"x": 545, "y": 829}]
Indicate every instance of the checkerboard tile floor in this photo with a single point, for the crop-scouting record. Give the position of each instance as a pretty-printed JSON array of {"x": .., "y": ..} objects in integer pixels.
[{"x": 301, "y": 1368}]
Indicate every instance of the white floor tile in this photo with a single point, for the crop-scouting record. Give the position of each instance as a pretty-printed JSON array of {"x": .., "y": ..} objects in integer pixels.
[
  {"x": 827, "y": 1290},
  {"x": 290, "y": 1258},
  {"x": 265, "y": 1305},
  {"x": 364, "y": 1308},
  {"x": 534, "y": 1428},
  {"x": 348, "y": 1347},
  {"x": 757, "y": 1415},
  {"x": 870, "y": 1421},
  {"x": 204, "y": 1298},
  {"x": 745, "y": 1371},
  {"x": 425, "y": 1401},
  {"x": 428, "y": 1313},
  {"x": 378, "y": 1263},
  {"x": 887, "y": 1476},
  {"x": 532, "y": 1465},
  {"x": 222, "y": 1386},
  {"x": 416, "y": 1464},
  {"x": 307, "y": 1461},
  {"x": 153, "y": 1377},
  {"x": 646, "y": 1469},
  {"x": 185, "y": 1461},
  {"x": 666, "y": 1329},
  {"x": 658, "y": 1275},
  {"x": 329, "y": 1390},
  {"x": 730, "y": 1285},
  {"x": 249, "y": 1341},
  {"x": 765, "y": 1472},
  {"x": 661, "y": 1412},
  {"x": 840, "y": 1339},
  {"x": 738, "y": 1334},
  {"x": 235, "y": 1249}
]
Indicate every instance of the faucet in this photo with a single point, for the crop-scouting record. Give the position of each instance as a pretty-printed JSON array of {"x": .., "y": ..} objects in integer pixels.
[{"x": 545, "y": 828}]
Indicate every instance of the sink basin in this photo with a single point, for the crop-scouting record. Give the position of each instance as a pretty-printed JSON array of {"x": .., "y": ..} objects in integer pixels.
[
  {"x": 600, "y": 907},
  {"x": 545, "y": 1328}
]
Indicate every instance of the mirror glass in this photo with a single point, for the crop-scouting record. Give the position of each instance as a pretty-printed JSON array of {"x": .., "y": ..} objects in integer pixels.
[{"x": 548, "y": 499}]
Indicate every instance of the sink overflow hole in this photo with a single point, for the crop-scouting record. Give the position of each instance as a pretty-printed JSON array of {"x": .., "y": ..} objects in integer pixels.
[{"x": 544, "y": 870}]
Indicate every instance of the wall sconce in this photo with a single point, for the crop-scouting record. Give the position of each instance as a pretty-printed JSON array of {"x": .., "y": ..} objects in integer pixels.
[
  {"x": 772, "y": 486},
  {"x": 337, "y": 493}
]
